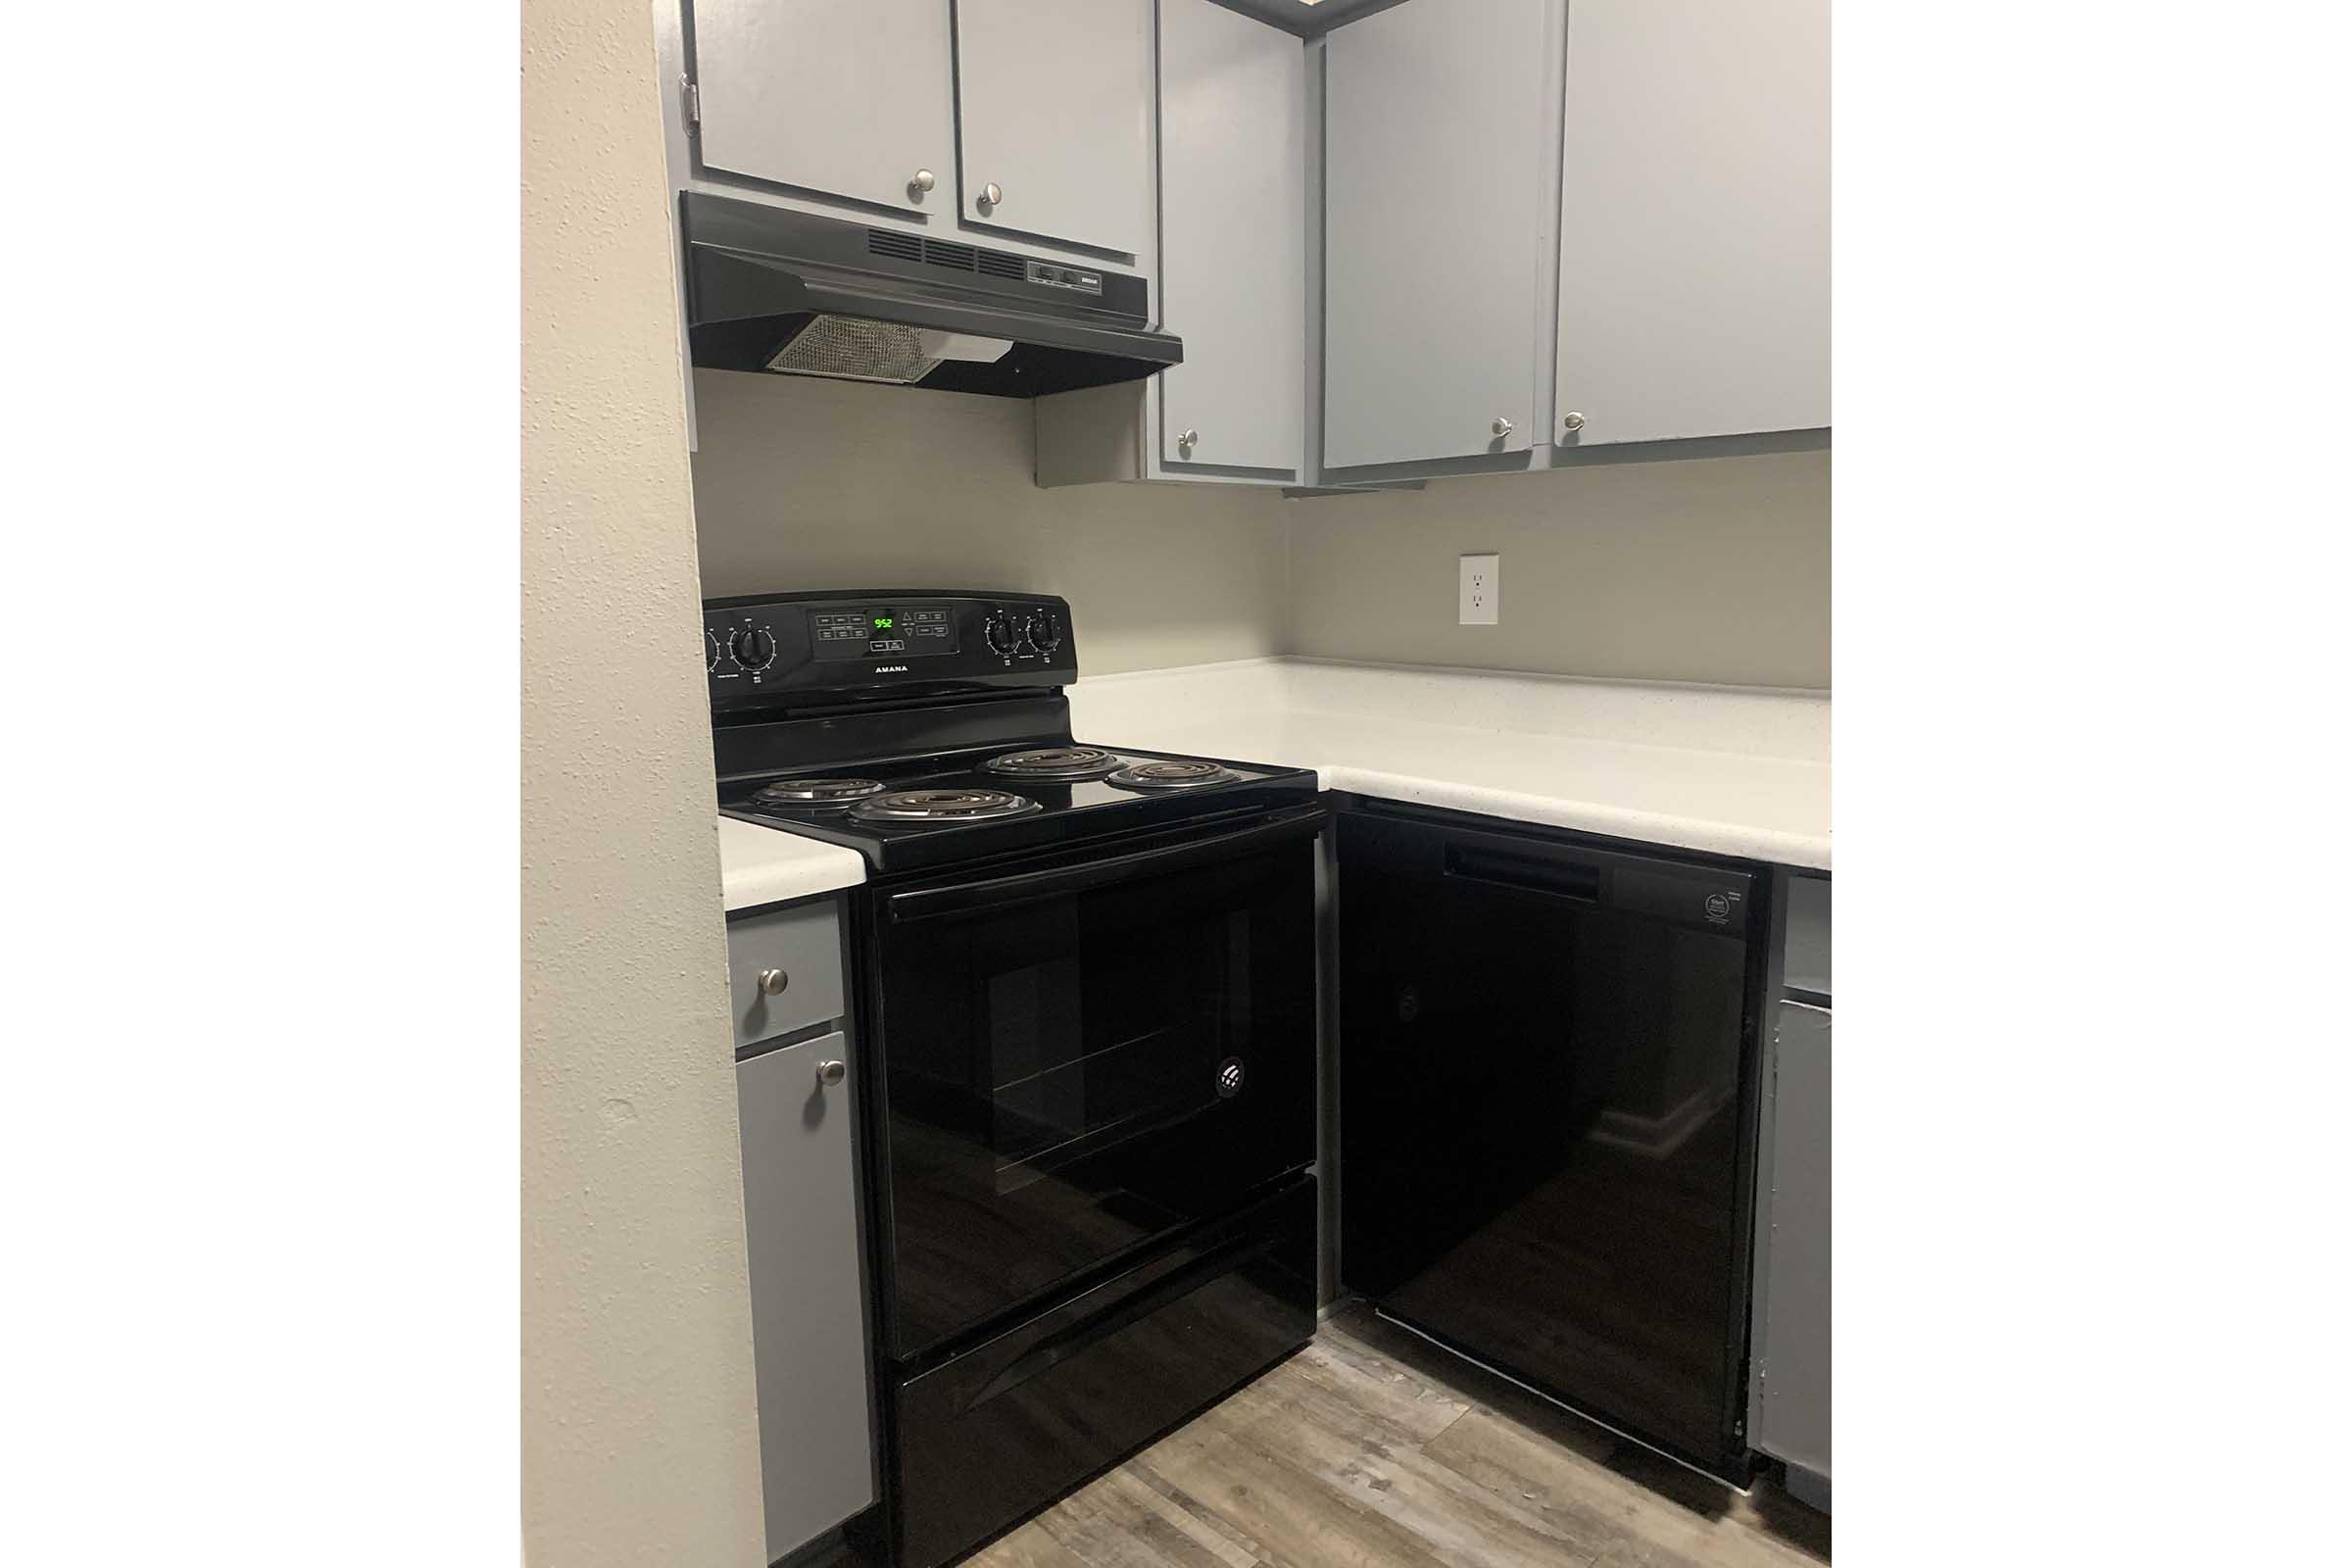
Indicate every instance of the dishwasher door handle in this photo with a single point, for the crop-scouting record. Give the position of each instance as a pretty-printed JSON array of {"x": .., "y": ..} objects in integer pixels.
[{"x": 1574, "y": 880}]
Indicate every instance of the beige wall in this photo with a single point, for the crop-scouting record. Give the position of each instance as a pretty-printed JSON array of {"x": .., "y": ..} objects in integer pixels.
[
  {"x": 639, "y": 1439},
  {"x": 1704, "y": 570},
  {"x": 1707, "y": 568},
  {"x": 832, "y": 484}
]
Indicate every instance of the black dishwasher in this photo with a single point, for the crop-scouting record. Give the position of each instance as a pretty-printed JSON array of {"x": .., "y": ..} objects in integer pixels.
[{"x": 1546, "y": 1111}]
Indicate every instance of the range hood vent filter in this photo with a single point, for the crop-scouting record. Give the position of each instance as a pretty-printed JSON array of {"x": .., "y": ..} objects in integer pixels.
[{"x": 850, "y": 347}]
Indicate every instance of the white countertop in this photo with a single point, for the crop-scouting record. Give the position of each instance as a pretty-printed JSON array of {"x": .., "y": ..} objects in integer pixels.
[
  {"x": 1730, "y": 770},
  {"x": 760, "y": 866},
  {"x": 1733, "y": 770}
]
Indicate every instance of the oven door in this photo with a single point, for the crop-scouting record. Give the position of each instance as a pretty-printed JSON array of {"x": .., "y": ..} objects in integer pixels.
[{"x": 1081, "y": 1057}]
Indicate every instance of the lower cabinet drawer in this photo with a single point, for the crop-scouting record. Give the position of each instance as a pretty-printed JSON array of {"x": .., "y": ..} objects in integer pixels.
[
  {"x": 784, "y": 970},
  {"x": 1008, "y": 1427}
]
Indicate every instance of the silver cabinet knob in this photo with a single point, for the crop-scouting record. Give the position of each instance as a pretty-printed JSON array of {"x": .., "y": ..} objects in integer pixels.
[
  {"x": 773, "y": 981},
  {"x": 830, "y": 1073},
  {"x": 923, "y": 182},
  {"x": 1188, "y": 440},
  {"x": 1572, "y": 421},
  {"x": 1502, "y": 427},
  {"x": 990, "y": 194}
]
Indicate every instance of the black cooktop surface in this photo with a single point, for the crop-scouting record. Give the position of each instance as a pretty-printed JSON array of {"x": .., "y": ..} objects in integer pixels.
[{"x": 938, "y": 809}]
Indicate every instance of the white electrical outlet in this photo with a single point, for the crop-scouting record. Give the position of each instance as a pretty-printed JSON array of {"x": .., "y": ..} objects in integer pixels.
[{"x": 1481, "y": 590}]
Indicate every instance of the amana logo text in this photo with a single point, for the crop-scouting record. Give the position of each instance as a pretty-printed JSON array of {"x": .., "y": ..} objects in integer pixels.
[{"x": 890, "y": 670}]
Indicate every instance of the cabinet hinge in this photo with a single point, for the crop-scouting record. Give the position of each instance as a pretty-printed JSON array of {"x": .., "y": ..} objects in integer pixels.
[{"x": 692, "y": 96}]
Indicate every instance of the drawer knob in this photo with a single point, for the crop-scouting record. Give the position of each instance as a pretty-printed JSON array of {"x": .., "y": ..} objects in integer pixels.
[
  {"x": 1572, "y": 421},
  {"x": 991, "y": 194},
  {"x": 1189, "y": 440},
  {"x": 923, "y": 182},
  {"x": 1501, "y": 426},
  {"x": 773, "y": 981},
  {"x": 829, "y": 1073}
]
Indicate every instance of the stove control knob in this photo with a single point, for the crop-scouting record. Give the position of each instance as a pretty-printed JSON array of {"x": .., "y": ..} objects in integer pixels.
[
  {"x": 1043, "y": 635},
  {"x": 755, "y": 649},
  {"x": 1001, "y": 637},
  {"x": 710, "y": 649}
]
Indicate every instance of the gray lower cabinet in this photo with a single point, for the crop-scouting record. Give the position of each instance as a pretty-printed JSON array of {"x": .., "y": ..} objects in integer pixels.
[
  {"x": 800, "y": 1211},
  {"x": 1053, "y": 103},
  {"x": 1694, "y": 221},
  {"x": 843, "y": 97},
  {"x": 1232, "y": 263},
  {"x": 1434, "y": 292},
  {"x": 1789, "y": 1389},
  {"x": 795, "y": 1100}
]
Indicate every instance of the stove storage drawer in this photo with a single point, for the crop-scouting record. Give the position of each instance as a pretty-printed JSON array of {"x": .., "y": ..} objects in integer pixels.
[
  {"x": 784, "y": 970},
  {"x": 999, "y": 1431}
]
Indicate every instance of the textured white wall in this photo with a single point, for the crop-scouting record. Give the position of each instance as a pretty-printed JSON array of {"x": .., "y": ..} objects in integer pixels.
[
  {"x": 1703, "y": 570},
  {"x": 639, "y": 1439},
  {"x": 833, "y": 484}
]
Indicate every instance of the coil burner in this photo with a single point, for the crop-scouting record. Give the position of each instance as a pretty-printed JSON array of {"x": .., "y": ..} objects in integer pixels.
[
  {"x": 1057, "y": 762},
  {"x": 1185, "y": 775},
  {"x": 942, "y": 805},
  {"x": 814, "y": 793}
]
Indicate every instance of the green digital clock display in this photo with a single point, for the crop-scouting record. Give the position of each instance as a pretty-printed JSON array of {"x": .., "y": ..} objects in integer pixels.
[{"x": 884, "y": 622}]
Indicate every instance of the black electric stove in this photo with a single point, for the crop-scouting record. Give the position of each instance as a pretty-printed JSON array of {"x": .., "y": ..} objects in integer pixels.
[
  {"x": 924, "y": 729},
  {"x": 1083, "y": 1043}
]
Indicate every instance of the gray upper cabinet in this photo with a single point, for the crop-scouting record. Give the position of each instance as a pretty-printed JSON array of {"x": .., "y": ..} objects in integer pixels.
[
  {"x": 1233, "y": 266},
  {"x": 1435, "y": 294},
  {"x": 1694, "y": 220},
  {"x": 844, "y": 97},
  {"x": 1054, "y": 104}
]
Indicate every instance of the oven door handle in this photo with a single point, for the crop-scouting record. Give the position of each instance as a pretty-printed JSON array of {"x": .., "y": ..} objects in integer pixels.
[{"x": 997, "y": 893}]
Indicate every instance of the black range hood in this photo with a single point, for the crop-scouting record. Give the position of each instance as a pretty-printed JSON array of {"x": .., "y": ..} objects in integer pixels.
[{"x": 794, "y": 294}]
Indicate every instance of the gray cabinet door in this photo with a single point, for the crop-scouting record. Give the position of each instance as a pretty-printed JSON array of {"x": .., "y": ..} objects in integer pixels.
[
  {"x": 1432, "y": 160},
  {"x": 848, "y": 97},
  {"x": 1694, "y": 220},
  {"x": 1790, "y": 1380},
  {"x": 800, "y": 1215},
  {"x": 1055, "y": 103},
  {"x": 1233, "y": 241}
]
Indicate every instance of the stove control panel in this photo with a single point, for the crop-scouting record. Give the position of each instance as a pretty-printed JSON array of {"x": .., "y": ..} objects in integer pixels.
[
  {"x": 765, "y": 651},
  {"x": 910, "y": 631}
]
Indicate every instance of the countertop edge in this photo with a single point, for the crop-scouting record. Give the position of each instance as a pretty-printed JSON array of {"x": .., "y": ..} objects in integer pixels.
[{"x": 763, "y": 865}]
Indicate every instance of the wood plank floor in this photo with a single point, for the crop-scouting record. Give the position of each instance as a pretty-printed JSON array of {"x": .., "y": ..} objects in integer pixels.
[{"x": 1370, "y": 1449}]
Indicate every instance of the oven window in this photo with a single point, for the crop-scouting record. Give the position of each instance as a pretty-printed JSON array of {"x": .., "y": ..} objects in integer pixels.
[
  {"x": 1068, "y": 1077},
  {"x": 1085, "y": 1051}
]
